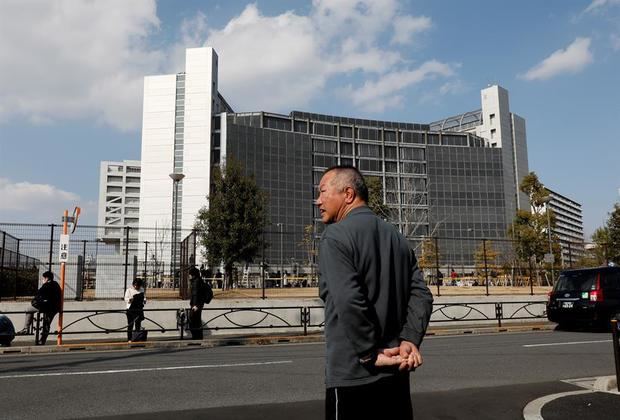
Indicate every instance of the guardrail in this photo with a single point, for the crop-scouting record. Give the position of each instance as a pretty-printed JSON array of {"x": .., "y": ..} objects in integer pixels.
[{"x": 284, "y": 318}]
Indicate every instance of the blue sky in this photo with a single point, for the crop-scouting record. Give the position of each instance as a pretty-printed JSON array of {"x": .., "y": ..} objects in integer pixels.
[{"x": 71, "y": 76}]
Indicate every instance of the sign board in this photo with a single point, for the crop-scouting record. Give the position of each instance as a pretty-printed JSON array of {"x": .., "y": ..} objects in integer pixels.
[
  {"x": 63, "y": 251},
  {"x": 549, "y": 258}
]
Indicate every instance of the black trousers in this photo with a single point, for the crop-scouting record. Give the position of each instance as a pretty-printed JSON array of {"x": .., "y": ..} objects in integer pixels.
[
  {"x": 48, "y": 317},
  {"x": 387, "y": 398},
  {"x": 195, "y": 324},
  {"x": 134, "y": 320}
]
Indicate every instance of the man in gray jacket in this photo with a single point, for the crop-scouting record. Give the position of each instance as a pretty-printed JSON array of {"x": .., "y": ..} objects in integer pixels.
[{"x": 377, "y": 306}]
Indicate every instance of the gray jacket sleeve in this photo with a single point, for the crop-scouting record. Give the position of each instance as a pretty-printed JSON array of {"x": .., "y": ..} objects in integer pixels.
[
  {"x": 419, "y": 307},
  {"x": 354, "y": 312}
]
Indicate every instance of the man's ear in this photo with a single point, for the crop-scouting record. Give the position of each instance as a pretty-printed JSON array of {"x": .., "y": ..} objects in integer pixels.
[{"x": 349, "y": 195}]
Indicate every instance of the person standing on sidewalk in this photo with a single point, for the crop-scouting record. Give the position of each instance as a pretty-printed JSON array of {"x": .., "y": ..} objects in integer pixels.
[
  {"x": 135, "y": 300},
  {"x": 46, "y": 301},
  {"x": 377, "y": 305},
  {"x": 197, "y": 302}
]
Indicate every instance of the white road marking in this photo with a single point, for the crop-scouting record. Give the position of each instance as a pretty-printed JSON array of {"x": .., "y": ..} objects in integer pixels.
[
  {"x": 106, "y": 372},
  {"x": 566, "y": 343}
]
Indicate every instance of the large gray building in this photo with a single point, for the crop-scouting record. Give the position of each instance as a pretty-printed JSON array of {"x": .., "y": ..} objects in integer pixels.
[
  {"x": 445, "y": 184},
  {"x": 445, "y": 179}
]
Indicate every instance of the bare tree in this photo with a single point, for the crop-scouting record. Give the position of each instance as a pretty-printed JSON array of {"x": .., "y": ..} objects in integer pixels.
[{"x": 160, "y": 240}]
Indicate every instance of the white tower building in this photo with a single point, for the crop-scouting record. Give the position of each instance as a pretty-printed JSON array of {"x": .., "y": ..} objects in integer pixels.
[{"x": 176, "y": 137}]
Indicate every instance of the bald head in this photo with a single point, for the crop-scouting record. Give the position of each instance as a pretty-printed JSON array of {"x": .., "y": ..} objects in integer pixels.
[{"x": 348, "y": 176}]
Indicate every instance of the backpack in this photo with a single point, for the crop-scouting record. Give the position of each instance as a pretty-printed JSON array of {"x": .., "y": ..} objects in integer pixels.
[{"x": 207, "y": 292}]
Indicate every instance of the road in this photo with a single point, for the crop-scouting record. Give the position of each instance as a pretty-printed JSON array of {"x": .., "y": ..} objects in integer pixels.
[{"x": 467, "y": 376}]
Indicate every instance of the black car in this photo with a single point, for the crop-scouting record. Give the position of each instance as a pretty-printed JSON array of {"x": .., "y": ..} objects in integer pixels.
[{"x": 590, "y": 295}]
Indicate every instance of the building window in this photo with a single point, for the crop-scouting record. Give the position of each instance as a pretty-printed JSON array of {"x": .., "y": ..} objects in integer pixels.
[
  {"x": 491, "y": 119},
  {"x": 492, "y": 133}
]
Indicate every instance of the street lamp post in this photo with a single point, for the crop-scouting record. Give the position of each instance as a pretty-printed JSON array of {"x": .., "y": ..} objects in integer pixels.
[{"x": 176, "y": 178}]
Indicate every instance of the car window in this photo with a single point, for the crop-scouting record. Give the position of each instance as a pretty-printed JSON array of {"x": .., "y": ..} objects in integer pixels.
[
  {"x": 576, "y": 281},
  {"x": 611, "y": 280}
]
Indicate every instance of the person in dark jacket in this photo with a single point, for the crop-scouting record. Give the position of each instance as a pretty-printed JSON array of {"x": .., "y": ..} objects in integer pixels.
[
  {"x": 377, "y": 305},
  {"x": 197, "y": 302},
  {"x": 47, "y": 301},
  {"x": 135, "y": 300}
]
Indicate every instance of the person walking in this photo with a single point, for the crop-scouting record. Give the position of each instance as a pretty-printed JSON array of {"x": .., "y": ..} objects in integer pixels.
[
  {"x": 377, "y": 305},
  {"x": 47, "y": 301},
  {"x": 135, "y": 300},
  {"x": 197, "y": 302}
]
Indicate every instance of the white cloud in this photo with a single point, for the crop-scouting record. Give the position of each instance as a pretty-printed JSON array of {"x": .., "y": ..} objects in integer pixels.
[
  {"x": 293, "y": 56},
  {"x": 597, "y": 5},
  {"x": 80, "y": 59},
  {"x": 572, "y": 59},
  {"x": 35, "y": 203},
  {"x": 384, "y": 92},
  {"x": 453, "y": 88},
  {"x": 268, "y": 62},
  {"x": 615, "y": 42},
  {"x": 405, "y": 27},
  {"x": 72, "y": 59}
]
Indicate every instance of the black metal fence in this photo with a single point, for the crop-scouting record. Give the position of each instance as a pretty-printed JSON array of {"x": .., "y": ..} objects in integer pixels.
[
  {"x": 490, "y": 264},
  {"x": 18, "y": 271},
  {"x": 172, "y": 323},
  {"x": 103, "y": 261}
]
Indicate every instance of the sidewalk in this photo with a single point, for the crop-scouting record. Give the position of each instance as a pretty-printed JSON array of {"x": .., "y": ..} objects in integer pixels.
[
  {"x": 598, "y": 399},
  {"x": 25, "y": 344}
]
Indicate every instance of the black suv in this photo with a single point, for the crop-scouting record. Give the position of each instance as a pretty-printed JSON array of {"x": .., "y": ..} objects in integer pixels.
[{"x": 589, "y": 295}]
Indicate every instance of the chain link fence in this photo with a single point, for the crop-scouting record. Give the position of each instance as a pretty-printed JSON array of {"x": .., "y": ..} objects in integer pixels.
[{"x": 103, "y": 263}]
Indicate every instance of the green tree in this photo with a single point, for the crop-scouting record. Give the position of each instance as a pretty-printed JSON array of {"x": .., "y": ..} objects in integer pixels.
[
  {"x": 231, "y": 228},
  {"x": 428, "y": 257},
  {"x": 491, "y": 259},
  {"x": 613, "y": 232},
  {"x": 535, "y": 190},
  {"x": 529, "y": 228},
  {"x": 598, "y": 255},
  {"x": 375, "y": 197},
  {"x": 307, "y": 243}
]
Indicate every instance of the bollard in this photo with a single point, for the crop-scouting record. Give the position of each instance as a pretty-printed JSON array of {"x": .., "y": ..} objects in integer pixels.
[{"x": 614, "y": 334}]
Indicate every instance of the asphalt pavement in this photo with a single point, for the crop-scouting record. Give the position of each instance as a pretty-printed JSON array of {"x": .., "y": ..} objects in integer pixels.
[{"x": 492, "y": 376}]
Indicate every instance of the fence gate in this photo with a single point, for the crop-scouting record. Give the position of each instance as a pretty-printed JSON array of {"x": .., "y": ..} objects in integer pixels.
[{"x": 188, "y": 259}]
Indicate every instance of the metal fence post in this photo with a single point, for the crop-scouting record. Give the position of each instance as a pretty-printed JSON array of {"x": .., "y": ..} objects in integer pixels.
[
  {"x": 263, "y": 267},
  {"x": 486, "y": 270},
  {"x": 146, "y": 253},
  {"x": 49, "y": 264},
  {"x": 126, "y": 253},
  {"x": 437, "y": 272},
  {"x": 499, "y": 313},
  {"x": 305, "y": 318},
  {"x": 36, "y": 336},
  {"x": 614, "y": 335},
  {"x": 16, "y": 270},
  {"x": 2, "y": 262},
  {"x": 195, "y": 235},
  {"x": 531, "y": 277}
]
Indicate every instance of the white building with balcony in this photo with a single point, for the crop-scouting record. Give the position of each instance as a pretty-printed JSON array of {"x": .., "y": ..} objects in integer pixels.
[
  {"x": 568, "y": 227},
  {"x": 119, "y": 201}
]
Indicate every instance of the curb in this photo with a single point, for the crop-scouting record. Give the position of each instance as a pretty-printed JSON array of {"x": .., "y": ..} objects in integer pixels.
[
  {"x": 606, "y": 384},
  {"x": 249, "y": 340},
  {"x": 533, "y": 409}
]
